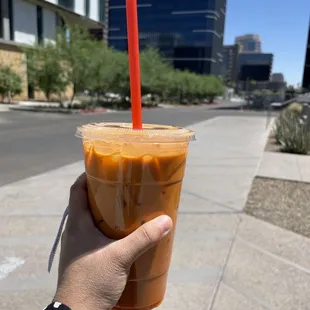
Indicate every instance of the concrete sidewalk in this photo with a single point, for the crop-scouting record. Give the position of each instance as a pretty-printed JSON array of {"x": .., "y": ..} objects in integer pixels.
[
  {"x": 222, "y": 260},
  {"x": 283, "y": 166}
]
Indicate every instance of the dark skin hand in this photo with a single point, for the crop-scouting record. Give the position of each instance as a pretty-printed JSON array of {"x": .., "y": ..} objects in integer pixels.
[{"x": 93, "y": 269}]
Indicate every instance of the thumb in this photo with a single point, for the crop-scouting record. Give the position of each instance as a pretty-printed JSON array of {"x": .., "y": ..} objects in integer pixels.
[{"x": 142, "y": 239}]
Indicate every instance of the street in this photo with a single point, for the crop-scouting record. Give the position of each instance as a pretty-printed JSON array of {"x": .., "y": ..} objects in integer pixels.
[{"x": 33, "y": 143}]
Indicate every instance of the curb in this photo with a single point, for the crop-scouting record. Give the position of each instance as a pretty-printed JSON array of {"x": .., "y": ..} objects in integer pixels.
[
  {"x": 43, "y": 110},
  {"x": 59, "y": 111},
  {"x": 97, "y": 111},
  {"x": 268, "y": 129}
]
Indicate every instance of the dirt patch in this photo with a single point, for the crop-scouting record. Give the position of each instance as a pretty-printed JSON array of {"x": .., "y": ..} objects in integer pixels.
[{"x": 282, "y": 203}]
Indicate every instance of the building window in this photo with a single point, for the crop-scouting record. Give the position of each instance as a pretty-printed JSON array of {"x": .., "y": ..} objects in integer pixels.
[
  {"x": 102, "y": 10},
  {"x": 39, "y": 24},
  {"x": 69, "y": 4},
  {"x": 1, "y": 24},
  {"x": 87, "y": 7},
  {"x": 11, "y": 18}
]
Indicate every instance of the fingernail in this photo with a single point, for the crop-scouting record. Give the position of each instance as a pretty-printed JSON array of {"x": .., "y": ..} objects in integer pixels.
[{"x": 165, "y": 223}]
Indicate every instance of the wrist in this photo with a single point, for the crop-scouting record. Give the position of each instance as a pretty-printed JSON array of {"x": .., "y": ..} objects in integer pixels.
[
  {"x": 57, "y": 305},
  {"x": 78, "y": 301}
]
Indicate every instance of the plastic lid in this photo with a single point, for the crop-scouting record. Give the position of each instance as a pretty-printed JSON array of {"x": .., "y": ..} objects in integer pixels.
[{"x": 123, "y": 132}]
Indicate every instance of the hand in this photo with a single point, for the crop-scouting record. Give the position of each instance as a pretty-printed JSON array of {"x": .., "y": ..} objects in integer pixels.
[{"x": 93, "y": 269}]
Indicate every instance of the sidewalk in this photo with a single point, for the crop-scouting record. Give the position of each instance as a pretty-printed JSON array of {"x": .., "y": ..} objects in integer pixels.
[
  {"x": 288, "y": 167},
  {"x": 5, "y": 107},
  {"x": 222, "y": 260}
]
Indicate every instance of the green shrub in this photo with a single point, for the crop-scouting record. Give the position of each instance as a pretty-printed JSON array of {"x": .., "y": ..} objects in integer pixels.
[
  {"x": 291, "y": 133},
  {"x": 280, "y": 126},
  {"x": 296, "y": 107},
  {"x": 10, "y": 82}
]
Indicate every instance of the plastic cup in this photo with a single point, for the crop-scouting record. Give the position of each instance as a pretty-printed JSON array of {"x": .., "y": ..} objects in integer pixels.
[{"x": 134, "y": 176}]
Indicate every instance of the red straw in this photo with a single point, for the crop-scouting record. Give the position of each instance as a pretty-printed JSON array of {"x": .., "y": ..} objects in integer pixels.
[{"x": 134, "y": 63}]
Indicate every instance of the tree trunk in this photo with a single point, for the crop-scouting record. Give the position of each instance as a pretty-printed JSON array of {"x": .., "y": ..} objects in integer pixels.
[
  {"x": 47, "y": 96},
  {"x": 73, "y": 94},
  {"x": 10, "y": 97}
]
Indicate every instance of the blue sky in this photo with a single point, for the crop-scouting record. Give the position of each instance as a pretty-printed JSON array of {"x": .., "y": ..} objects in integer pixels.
[{"x": 282, "y": 26}]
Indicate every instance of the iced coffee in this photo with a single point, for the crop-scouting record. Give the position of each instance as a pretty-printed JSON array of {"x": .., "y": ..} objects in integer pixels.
[{"x": 134, "y": 176}]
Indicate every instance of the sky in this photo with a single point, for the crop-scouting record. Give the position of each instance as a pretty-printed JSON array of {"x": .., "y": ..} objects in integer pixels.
[{"x": 282, "y": 25}]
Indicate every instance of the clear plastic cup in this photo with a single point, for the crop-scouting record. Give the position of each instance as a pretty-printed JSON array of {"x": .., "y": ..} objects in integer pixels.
[{"x": 134, "y": 176}]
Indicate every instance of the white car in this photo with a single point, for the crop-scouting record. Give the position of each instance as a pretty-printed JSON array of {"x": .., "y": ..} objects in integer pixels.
[{"x": 276, "y": 104}]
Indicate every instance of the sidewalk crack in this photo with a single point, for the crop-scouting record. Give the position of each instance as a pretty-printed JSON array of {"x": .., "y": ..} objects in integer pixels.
[
  {"x": 212, "y": 201},
  {"x": 275, "y": 256},
  {"x": 248, "y": 296},
  {"x": 222, "y": 273}
]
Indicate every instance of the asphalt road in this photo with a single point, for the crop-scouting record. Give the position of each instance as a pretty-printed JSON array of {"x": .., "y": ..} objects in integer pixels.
[{"x": 33, "y": 143}]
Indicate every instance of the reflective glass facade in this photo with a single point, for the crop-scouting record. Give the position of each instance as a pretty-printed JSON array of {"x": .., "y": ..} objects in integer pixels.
[
  {"x": 230, "y": 62},
  {"x": 306, "y": 77},
  {"x": 87, "y": 7},
  {"x": 189, "y": 33},
  {"x": 69, "y": 4},
  {"x": 102, "y": 10},
  {"x": 255, "y": 66},
  {"x": 249, "y": 43}
]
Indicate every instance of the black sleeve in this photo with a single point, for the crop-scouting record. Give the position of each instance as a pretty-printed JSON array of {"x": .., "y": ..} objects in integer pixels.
[{"x": 57, "y": 305}]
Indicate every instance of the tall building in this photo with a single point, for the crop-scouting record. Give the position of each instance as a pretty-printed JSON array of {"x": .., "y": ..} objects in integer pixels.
[
  {"x": 188, "y": 33},
  {"x": 306, "y": 77},
  {"x": 26, "y": 22},
  {"x": 277, "y": 77},
  {"x": 230, "y": 63},
  {"x": 249, "y": 43},
  {"x": 254, "y": 67}
]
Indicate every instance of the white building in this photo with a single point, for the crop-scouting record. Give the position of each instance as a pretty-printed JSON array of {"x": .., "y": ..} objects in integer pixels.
[{"x": 24, "y": 22}]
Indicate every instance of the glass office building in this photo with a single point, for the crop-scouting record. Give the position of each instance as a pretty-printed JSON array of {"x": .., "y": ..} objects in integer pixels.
[
  {"x": 230, "y": 63},
  {"x": 249, "y": 43},
  {"x": 255, "y": 66},
  {"x": 68, "y": 4},
  {"x": 189, "y": 33},
  {"x": 306, "y": 77}
]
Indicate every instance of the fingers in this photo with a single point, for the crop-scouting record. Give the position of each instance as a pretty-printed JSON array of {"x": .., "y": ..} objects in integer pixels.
[
  {"x": 78, "y": 192},
  {"x": 78, "y": 203},
  {"x": 148, "y": 235}
]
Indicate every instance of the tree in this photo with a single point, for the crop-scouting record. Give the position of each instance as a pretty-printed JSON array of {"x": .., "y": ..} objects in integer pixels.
[
  {"x": 10, "y": 83},
  {"x": 76, "y": 51},
  {"x": 119, "y": 77},
  {"x": 186, "y": 86},
  {"x": 153, "y": 72},
  {"x": 46, "y": 70},
  {"x": 86, "y": 64},
  {"x": 109, "y": 73},
  {"x": 214, "y": 87},
  {"x": 290, "y": 92},
  {"x": 262, "y": 98},
  {"x": 102, "y": 67},
  {"x": 172, "y": 91}
]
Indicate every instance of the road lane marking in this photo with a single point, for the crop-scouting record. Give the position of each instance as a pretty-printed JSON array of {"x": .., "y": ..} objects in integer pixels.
[{"x": 8, "y": 265}]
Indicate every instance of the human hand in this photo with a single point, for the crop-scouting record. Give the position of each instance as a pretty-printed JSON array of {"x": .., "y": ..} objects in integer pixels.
[{"x": 93, "y": 269}]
